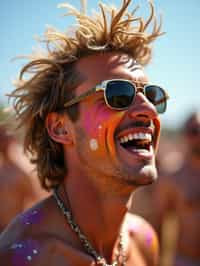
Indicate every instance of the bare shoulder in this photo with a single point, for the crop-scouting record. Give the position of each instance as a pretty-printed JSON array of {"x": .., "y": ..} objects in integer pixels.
[
  {"x": 47, "y": 251},
  {"x": 144, "y": 238},
  {"x": 28, "y": 239},
  {"x": 35, "y": 239}
]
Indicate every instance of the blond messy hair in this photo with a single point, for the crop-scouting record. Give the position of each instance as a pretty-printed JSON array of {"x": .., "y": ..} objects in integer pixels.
[{"x": 52, "y": 76}]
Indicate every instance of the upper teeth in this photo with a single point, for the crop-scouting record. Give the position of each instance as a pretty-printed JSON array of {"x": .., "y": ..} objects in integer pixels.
[{"x": 143, "y": 136}]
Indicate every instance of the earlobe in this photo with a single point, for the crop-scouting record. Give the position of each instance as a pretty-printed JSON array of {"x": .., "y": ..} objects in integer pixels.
[{"x": 58, "y": 128}]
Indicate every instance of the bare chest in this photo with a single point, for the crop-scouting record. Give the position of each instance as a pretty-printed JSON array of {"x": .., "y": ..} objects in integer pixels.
[
  {"x": 67, "y": 256},
  {"x": 188, "y": 189}
]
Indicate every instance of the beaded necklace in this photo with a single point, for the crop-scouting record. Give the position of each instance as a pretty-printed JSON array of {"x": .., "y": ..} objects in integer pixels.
[{"x": 100, "y": 260}]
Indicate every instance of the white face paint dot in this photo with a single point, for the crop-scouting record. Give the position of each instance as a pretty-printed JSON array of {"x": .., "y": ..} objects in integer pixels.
[
  {"x": 100, "y": 126},
  {"x": 94, "y": 144},
  {"x": 29, "y": 258}
]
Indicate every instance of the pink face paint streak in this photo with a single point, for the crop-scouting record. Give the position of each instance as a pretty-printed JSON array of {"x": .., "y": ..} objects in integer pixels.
[
  {"x": 95, "y": 123},
  {"x": 97, "y": 115},
  {"x": 100, "y": 122},
  {"x": 24, "y": 252}
]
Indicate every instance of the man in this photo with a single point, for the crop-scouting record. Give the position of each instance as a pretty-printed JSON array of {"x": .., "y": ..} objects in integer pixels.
[
  {"x": 179, "y": 192},
  {"x": 18, "y": 187},
  {"x": 93, "y": 127}
]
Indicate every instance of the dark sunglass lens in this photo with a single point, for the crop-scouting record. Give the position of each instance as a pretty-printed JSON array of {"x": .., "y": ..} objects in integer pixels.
[
  {"x": 157, "y": 96},
  {"x": 119, "y": 94}
]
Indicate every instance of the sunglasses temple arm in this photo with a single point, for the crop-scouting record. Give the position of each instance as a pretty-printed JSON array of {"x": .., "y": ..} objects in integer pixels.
[{"x": 81, "y": 97}]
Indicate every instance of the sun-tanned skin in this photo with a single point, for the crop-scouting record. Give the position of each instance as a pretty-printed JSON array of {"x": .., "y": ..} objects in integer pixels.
[
  {"x": 179, "y": 193},
  {"x": 99, "y": 180},
  {"x": 89, "y": 154},
  {"x": 17, "y": 188}
]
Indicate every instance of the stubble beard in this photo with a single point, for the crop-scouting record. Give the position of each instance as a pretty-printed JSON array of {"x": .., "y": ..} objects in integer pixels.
[
  {"x": 139, "y": 176},
  {"x": 116, "y": 176}
]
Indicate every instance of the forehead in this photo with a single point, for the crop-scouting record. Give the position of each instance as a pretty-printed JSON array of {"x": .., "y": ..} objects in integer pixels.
[{"x": 104, "y": 66}]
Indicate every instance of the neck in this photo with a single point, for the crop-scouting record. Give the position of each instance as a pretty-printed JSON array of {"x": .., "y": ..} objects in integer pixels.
[{"x": 99, "y": 215}]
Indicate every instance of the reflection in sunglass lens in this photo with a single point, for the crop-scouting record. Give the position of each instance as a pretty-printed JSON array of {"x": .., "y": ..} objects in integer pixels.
[
  {"x": 119, "y": 94},
  {"x": 157, "y": 96}
]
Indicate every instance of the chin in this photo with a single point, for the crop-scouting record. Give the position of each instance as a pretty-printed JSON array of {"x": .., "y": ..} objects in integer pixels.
[
  {"x": 148, "y": 175},
  {"x": 145, "y": 176}
]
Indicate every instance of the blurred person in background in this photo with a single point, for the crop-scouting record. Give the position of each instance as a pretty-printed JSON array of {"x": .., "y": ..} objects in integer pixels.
[
  {"x": 178, "y": 196},
  {"x": 18, "y": 185},
  {"x": 143, "y": 200}
]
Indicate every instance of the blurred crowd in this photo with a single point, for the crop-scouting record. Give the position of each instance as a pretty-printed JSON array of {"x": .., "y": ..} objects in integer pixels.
[
  {"x": 171, "y": 205},
  {"x": 19, "y": 185}
]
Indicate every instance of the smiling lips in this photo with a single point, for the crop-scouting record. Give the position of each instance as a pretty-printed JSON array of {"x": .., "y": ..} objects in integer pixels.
[{"x": 137, "y": 140}]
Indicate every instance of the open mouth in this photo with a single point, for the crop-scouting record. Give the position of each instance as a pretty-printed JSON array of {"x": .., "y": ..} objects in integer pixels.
[{"x": 137, "y": 142}]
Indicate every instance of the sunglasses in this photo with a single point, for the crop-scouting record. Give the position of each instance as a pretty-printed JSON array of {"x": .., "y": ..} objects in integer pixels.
[{"x": 119, "y": 94}]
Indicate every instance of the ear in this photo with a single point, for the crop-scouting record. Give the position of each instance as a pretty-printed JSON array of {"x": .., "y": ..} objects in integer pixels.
[{"x": 59, "y": 128}]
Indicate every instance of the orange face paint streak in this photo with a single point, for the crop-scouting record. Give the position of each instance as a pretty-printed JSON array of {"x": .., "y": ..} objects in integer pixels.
[
  {"x": 114, "y": 122},
  {"x": 106, "y": 135},
  {"x": 101, "y": 123},
  {"x": 157, "y": 133},
  {"x": 102, "y": 139}
]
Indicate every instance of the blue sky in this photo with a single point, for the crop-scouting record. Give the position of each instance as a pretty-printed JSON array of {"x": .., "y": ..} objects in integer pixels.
[{"x": 175, "y": 64}]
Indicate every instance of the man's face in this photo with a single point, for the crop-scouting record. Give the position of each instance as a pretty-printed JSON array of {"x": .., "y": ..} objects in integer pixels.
[{"x": 119, "y": 145}]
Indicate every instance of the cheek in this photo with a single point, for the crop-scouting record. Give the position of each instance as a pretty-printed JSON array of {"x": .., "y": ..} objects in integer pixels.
[
  {"x": 96, "y": 118},
  {"x": 100, "y": 123}
]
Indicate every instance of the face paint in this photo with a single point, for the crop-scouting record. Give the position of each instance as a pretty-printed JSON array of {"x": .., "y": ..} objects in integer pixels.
[
  {"x": 24, "y": 252},
  {"x": 114, "y": 122},
  {"x": 149, "y": 239},
  {"x": 31, "y": 217},
  {"x": 100, "y": 124},
  {"x": 93, "y": 144},
  {"x": 94, "y": 119}
]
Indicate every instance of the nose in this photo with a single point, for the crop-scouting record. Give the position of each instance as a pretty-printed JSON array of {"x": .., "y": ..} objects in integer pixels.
[{"x": 142, "y": 106}]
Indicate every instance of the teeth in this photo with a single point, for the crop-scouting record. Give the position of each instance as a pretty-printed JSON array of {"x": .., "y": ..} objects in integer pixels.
[
  {"x": 140, "y": 135},
  {"x": 130, "y": 137},
  {"x": 126, "y": 139}
]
